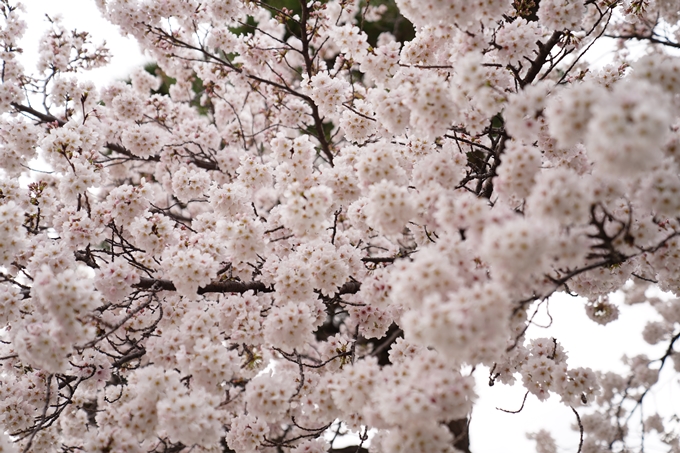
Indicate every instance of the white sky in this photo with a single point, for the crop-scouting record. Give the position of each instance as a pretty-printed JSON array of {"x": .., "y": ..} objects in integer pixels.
[
  {"x": 492, "y": 431},
  {"x": 587, "y": 344},
  {"x": 81, "y": 15}
]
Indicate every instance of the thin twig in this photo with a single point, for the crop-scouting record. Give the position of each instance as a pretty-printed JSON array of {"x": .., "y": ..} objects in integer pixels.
[
  {"x": 580, "y": 427},
  {"x": 518, "y": 410},
  {"x": 43, "y": 417}
]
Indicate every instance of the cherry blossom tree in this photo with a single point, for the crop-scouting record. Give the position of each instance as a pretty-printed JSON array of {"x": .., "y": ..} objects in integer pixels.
[{"x": 304, "y": 223}]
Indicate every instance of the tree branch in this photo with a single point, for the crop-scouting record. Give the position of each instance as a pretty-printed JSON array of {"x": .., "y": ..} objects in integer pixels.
[
  {"x": 350, "y": 287},
  {"x": 537, "y": 64},
  {"x": 120, "y": 149}
]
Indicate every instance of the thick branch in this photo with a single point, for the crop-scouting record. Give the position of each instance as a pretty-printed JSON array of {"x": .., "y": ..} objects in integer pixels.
[
  {"x": 350, "y": 449},
  {"x": 543, "y": 53},
  {"x": 460, "y": 429},
  {"x": 129, "y": 357},
  {"x": 351, "y": 287},
  {"x": 43, "y": 117},
  {"x": 214, "y": 287}
]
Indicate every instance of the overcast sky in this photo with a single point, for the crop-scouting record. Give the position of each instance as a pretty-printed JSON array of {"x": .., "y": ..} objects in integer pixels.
[{"x": 81, "y": 15}]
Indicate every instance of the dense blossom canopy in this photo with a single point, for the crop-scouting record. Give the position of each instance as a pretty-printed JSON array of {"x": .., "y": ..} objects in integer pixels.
[{"x": 295, "y": 224}]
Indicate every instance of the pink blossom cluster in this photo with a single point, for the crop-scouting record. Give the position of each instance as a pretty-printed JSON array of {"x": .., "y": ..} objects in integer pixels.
[{"x": 293, "y": 224}]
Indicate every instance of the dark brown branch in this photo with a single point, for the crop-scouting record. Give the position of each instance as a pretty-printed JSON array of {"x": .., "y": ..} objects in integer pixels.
[
  {"x": 86, "y": 257},
  {"x": 351, "y": 287},
  {"x": 214, "y": 287},
  {"x": 468, "y": 142},
  {"x": 580, "y": 427},
  {"x": 200, "y": 163},
  {"x": 460, "y": 429},
  {"x": 518, "y": 410},
  {"x": 670, "y": 350},
  {"x": 120, "y": 149},
  {"x": 309, "y": 65},
  {"x": 381, "y": 350},
  {"x": 38, "y": 426},
  {"x": 649, "y": 38},
  {"x": 43, "y": 117},
  {"x": 578, "y": 58},
  {"x": 351, "y": 449},
  {"x": 378, "y": 259},
  {"x": 543, "y": 53},
  {"x": 118, "y": 325},
  {"x": 129, "y": 357}
]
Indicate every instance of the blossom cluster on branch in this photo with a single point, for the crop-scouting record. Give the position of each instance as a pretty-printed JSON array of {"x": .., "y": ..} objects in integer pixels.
[{"x": 292, "y": 226}]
